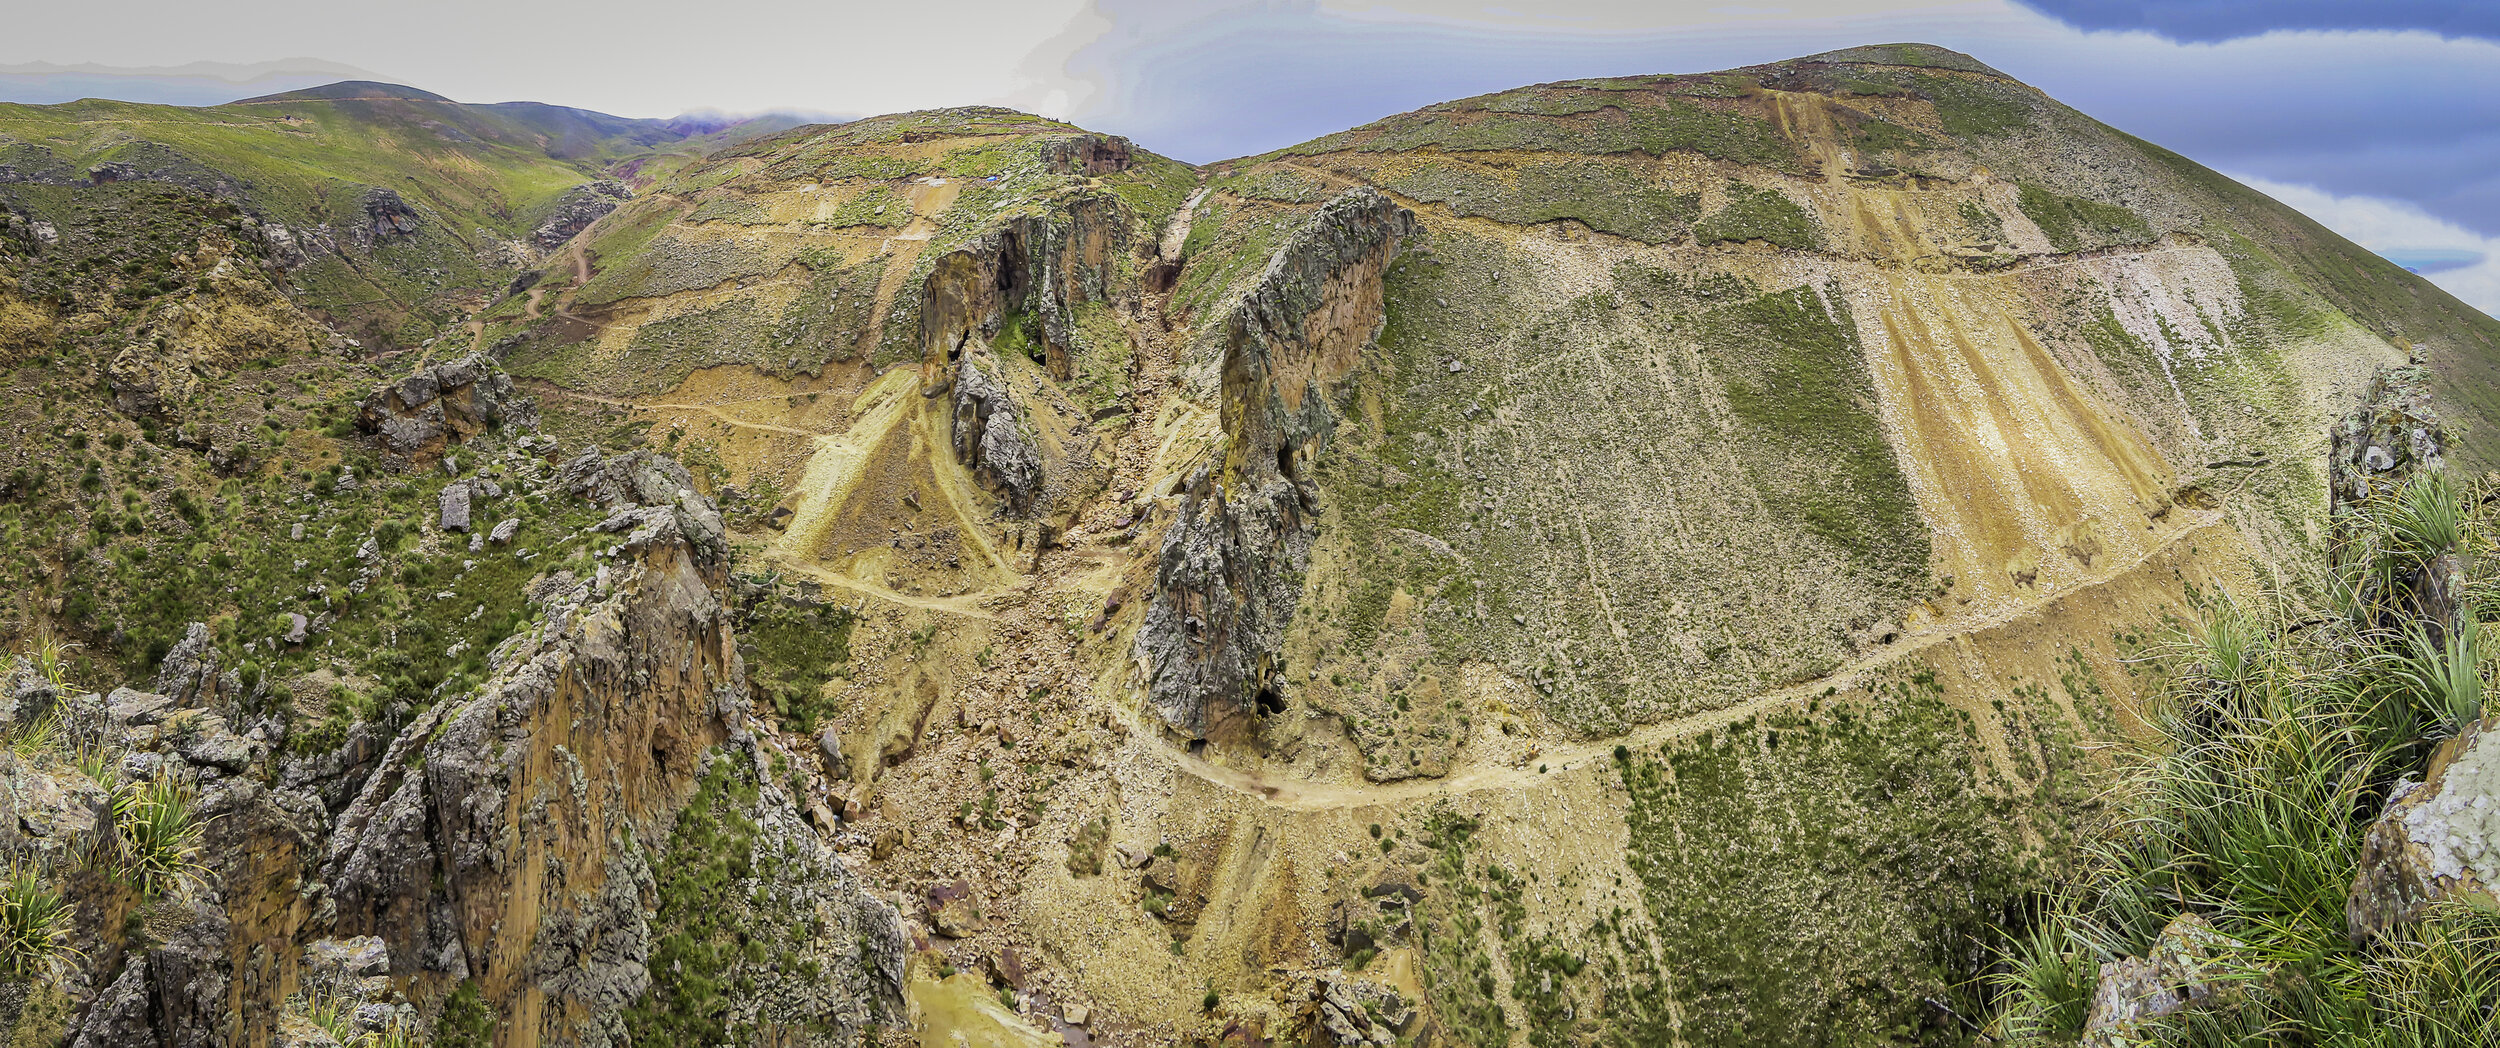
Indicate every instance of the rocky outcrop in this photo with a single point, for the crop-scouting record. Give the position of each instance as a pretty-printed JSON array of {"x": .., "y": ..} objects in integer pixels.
[
  {"x": 1230, "y": 570},
  {"x": 416, "y": 417},
  {"x": 386, "y": 216},
  {"x": 185, "y": 343},
  {"x": 1088, "y": 155},
  {"x": 989, "y": 437},
  {"x": 2439, "y": 839},
  {"x": 2390, "y": 437},
  {"x": 1036, "y": 269},
  {"x": 1030, "y": 276},
  {"x": 2373, "y": 451},
  {"x": 577, "y": 209},
  {"x": 509, "y": 839}
]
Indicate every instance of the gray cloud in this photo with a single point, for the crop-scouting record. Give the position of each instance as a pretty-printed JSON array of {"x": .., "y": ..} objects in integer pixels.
[{"x": 2209, "y": 21}]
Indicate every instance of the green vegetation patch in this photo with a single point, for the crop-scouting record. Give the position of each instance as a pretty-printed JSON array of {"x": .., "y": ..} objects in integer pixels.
[
  {"x": 1797, "y": 383},
  {"x": 697, "y": 944},
  {"x": 2077, "y": 224},
  {"x": 1564, "y": 985},
  {"x": 1754, "y": 213},
  {"x": 1816, "y": 879},
  {"x": 1646, "y": 125},
  {"x": 730, "y": 208},
  {"x": 2282, "y": 737},
  {"x": 1976, "y": 108},
  {"x": 875, "y": 206},
  {"x": 797, "y": 648},
  {"x": 1609, "y": 196}
]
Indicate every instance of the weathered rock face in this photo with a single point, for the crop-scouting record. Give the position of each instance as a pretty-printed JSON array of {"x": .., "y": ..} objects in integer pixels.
[
  {"x": 989, "y": 436},
  {"x": 185, "y": 343},
  {"x": 1032, "y": 274},
  {"x": 2373, "y": 449},
  {"x": 577, "y": 209},
  {"x": 2438, "y": 840},
  {"x": 509, "y": 839},
  {"x": 1041, "y": 267},
  {"x": 1229, "y": 574},
  {"x": 416, "y": 417},
  {"x": 1088, "y": 155}
]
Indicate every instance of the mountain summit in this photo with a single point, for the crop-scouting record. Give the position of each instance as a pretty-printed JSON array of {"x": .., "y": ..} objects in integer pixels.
[{"x": 1645, "y": 560}]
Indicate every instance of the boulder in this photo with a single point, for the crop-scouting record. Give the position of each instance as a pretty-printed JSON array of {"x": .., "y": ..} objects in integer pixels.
[
  {"x": 1361, "y": 1012},
  {"x": 205, "y": 740},
  {"x": 504, "y": 531},
  {"x": 455, "y": 507},
  {"x": 955, "y": 910},
  {"x": 419, "y": 416},
  {"x": 132, "y": 708},
  {"x": 2184, "y": 970},
  {"x": 2438, "y": 839},
  {"x": 188, "y": 675}
]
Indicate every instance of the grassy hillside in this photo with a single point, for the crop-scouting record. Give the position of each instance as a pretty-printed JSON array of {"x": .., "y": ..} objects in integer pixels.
[{"x": 477, "y": 178}]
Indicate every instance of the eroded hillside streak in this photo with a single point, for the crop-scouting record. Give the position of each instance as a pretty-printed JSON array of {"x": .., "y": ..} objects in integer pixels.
[{"x": 2020, "y": 471}]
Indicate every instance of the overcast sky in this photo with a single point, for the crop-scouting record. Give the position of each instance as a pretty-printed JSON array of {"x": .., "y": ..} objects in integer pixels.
[{"x": 2379, "y": 117}]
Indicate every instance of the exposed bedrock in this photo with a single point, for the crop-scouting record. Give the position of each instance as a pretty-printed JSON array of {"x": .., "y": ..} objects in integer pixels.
[
  {"x": 1016, "y": 288},
  {"x": 511, "y": 839},
  {"x": 1229, "y": 573}
]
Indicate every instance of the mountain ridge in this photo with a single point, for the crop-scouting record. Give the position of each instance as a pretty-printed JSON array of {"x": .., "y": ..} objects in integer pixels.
[{"x": 1638, "y": 560}]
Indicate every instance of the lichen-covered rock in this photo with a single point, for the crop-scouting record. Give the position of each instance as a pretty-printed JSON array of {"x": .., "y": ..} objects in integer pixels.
[
  {"x": 454, "y": 504},
  {"x": 2438, "y": 839},
  {"x": 1361, "y": 1012},
  {"x": 418, "y": 416},
  {"x": 45, "y": 815},
  {"x": 2374, "y": 448},
  {"x": 1229, "y": 573},
  {"x": 188, "y": 675},
  {"x": 2184, "y": 970},
  {"x": 387, "y": 214},
  {"x": 634, "y": 478}
]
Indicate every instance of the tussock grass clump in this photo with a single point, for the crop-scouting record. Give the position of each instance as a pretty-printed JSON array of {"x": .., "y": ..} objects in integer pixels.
[
  {"x": 35, "y": 925},
  {"x": 2276, "y": 748},
  {"x": 157, "y": 834}
]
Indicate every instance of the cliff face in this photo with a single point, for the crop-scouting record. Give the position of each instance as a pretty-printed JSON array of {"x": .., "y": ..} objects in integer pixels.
[
  {"x": 1230, "y": 571},
  {"x": 510, "y": 840},
  {"x": 514, "y": 862}
]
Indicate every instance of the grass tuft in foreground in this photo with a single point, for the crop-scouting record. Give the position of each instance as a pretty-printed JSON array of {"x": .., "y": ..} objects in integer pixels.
[{"x": 2268, "y": 761}]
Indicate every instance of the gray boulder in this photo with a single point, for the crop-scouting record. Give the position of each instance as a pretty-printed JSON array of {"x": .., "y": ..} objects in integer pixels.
[
  {"x": 455, "y": 506},
  {"x": 419, "y": 416}
]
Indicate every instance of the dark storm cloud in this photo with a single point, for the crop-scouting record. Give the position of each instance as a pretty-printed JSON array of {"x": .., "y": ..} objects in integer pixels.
[{"x": 2208, "y": 21}]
